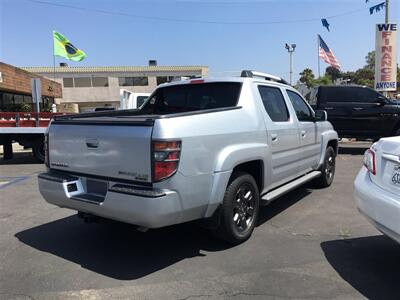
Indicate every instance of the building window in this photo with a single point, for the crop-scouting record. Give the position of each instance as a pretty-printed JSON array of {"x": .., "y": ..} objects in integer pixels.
[
  {"x": 164, "y": 79},
  {"x": 82, "y": 82},
  {"x": 68, "y": 82},
  {"x": 100, "y": 81},
  {"x": 133, "y": 81},
  {"x": 22, "y": 103},
  {"x": 18, "y": 99}
]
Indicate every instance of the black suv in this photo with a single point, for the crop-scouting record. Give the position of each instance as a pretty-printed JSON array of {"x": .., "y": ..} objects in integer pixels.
[{"x": 358, "y": 111}]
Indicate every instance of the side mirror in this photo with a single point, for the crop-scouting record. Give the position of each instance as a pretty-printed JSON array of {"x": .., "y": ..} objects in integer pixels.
[
  {"x": 320, "y": 116},
  {"x": 381, "y": 101}
]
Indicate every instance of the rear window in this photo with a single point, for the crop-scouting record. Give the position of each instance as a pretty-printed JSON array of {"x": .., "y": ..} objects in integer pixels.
[
  {"x": 348, "y": 94},
  {"x": 193, "y": 97},
  {"x": 140, "y": 100}
]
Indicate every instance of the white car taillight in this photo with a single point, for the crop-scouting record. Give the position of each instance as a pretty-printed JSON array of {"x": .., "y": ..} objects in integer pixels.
[
  {"x": 369, "y": 161},
  {"x": 165, "y": 159}
]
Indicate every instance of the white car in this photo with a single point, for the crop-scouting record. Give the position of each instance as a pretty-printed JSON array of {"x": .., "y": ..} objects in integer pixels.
[{"x": 377, "y": 186}]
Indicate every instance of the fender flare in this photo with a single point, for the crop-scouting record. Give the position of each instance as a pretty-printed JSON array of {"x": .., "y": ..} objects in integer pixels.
[
  {"x": 228, "y": 159},
  {"x": 327, "y": 136}
]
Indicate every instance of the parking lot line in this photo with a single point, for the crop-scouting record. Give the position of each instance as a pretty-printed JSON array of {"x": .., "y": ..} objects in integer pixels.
[{"x": 8, "y": 181}]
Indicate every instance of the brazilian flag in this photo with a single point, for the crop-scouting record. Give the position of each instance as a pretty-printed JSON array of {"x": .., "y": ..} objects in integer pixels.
[{"x": 63, "y": 48}]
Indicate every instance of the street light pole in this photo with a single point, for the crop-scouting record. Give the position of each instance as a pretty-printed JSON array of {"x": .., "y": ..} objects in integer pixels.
[
  {"x": 290, "y": 49},
  {"x": 387, "y": 12}
]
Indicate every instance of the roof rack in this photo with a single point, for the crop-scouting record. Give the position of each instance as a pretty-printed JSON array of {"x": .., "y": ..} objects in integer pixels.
[{"x": 266, "y": 76}]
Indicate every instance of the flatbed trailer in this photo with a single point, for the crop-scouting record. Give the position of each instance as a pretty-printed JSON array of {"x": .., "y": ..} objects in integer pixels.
[{"x": 27, "y": 129}]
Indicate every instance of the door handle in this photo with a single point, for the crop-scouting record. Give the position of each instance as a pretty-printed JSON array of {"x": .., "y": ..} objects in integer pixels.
[
  {"x": 303, "y": 133},
  {"x": 328, "y": 108},
  {"x": 357, "y": 108},
  {"x": 274, "y": 137},
  {"x": 92, "y": 143}
]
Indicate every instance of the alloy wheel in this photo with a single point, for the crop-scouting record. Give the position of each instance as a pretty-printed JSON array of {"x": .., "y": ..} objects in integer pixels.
[{"x": 243, "y": 208}]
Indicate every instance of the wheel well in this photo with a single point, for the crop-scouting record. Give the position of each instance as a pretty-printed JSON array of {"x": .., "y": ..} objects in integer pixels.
[
  {"x": 334, "y": 145},
  {"x": 256, "y": 169},
  {"x": 396, "y": 128}
]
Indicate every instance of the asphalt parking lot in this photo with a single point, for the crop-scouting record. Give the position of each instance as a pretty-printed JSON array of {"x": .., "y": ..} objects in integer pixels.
[{"x": 308, "y": 244}]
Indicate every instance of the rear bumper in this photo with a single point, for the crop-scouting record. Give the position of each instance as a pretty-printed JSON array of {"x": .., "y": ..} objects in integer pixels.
[
  {"x": 381, "y": 207},
  {"x": 146, "y": 207}
]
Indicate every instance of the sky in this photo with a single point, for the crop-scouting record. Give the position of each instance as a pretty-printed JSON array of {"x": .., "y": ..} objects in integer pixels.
[{"x": 225, "y": 35}]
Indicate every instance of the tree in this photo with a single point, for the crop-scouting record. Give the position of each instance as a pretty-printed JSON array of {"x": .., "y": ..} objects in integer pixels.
[
  {"x": 348, "y": 76},
  {"x": 324, "y": 80},
  {"x": 370, "y": 61},
  {"x": 333, "y": 73},
  {"x": 307, "y": 77},
  {"x": 398, "y": 79},
  {"x": 364, "y": 76}
]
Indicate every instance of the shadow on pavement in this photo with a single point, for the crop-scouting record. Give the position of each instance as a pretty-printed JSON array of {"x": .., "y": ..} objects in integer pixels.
[
  {"x": 354, "y": 149},
  {"x": 369, "y": 264},
  {"x": 281, "y": 204},
  {"x": 19, "y": 158},
  {"x": 119, "y": 251}
]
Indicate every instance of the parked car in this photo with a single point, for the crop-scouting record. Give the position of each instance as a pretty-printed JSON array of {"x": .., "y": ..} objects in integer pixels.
[
  {"x": 209, "y": 149},
  {"x": 358, "y": 111},
  {"x": 377, "y": 186}
]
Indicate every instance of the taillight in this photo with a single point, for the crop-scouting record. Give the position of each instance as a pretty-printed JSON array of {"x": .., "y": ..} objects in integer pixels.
[
  {"x": 165, "y": 159},
  {"x": 197, "y": 81},
  {"x": 369, "y": 161},
  {"x": 46, "y": 150}
]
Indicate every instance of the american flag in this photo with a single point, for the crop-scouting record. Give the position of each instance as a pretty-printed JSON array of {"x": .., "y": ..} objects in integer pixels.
[{"x": 326, "y": 54}]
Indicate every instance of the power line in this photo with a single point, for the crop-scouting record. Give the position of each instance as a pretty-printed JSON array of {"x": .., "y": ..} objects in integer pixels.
[{"x": 153, "y": 18}]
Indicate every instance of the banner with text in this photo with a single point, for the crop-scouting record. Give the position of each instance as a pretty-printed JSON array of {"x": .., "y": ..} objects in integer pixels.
[{"x": 385, "y": 57}]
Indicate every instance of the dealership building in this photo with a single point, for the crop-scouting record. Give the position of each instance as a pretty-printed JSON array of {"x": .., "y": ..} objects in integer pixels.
[
  {"x": 85, "y": 88},
  {"x": 16, "y": 90}
]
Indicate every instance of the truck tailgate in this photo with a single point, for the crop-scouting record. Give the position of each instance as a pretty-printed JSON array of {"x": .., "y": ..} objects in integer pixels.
[{"x": 106, "y": 150}]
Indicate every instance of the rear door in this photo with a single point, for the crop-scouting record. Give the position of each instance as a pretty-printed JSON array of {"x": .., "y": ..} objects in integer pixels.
[
  {"x": 282, "y": 135},
  {"x": 336, "y": 101},
  {"x": 371, "y": 118},
  {"x": 310, "y": 147}
]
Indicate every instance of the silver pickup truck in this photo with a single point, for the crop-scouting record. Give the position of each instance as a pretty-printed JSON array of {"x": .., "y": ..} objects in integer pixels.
[{"x": 209, "y": 149}]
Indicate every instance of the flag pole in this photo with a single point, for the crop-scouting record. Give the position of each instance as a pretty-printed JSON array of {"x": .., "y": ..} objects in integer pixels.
[
  {"x": 54, "y": 73},
  {"x": 319, "y": 70}
]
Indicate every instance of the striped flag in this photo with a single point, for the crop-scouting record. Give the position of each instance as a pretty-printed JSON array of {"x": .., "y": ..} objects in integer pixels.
[{"x": 326, "y": 54}]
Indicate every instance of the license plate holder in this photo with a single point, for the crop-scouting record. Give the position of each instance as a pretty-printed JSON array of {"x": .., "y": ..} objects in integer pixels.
[{"x": 97, "y": 187}]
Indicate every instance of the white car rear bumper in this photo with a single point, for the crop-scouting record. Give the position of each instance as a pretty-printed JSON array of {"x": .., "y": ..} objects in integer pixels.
[{"x": 382, "y": 208}]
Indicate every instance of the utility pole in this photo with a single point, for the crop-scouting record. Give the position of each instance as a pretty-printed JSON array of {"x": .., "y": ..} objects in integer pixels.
[
  {"x": 290, "y": 49},
  {"x": 387, "y": 12}
]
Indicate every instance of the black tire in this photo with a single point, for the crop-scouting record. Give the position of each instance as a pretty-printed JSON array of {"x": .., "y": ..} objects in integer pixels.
[
  {"x": 397, "y": 132},
  {"x": 327, "y": 169},
  {"x": 38, "y": 149},
  {"x": 239, "y": 209}
]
